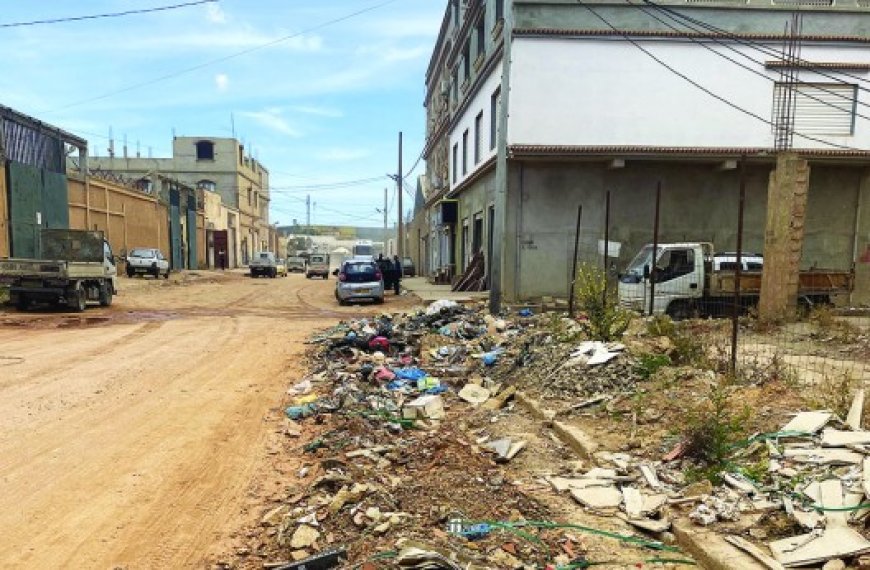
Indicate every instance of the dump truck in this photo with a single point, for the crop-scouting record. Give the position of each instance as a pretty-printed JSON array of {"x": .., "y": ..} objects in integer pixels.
[
  {"x": 73, "y": 268},
  {"x": 690, "y": 279}
]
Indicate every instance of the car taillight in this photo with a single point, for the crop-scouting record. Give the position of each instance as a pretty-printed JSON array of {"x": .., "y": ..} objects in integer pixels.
[
  {"x": 378, "y": 276},
  {"x": 342, "y": 277}
]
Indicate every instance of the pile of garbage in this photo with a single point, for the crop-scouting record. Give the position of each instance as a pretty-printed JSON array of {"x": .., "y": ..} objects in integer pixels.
[{"x": 394, "y": 479}]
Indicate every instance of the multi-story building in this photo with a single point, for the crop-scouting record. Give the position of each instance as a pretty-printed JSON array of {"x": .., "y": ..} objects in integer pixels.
[
  {"x": 220, "y": 167},
  {"x": 537, "y": 107}
]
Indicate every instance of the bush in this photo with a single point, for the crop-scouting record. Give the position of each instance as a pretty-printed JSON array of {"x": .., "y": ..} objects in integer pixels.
[
  {"x": 649, "y": 364},
  {"x": 4, "y": 295},
  {"x": 688, "y": 348},
  {"x": 712, "y": 429},
  {"x": 605, "y": 319}
]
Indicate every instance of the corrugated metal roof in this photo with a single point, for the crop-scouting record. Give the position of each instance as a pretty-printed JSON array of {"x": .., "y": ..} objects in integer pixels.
[{"x": 731, "y": 152}]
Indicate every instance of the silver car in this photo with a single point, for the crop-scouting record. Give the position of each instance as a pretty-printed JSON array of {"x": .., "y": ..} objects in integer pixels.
[{"x": 357, "y": 280}]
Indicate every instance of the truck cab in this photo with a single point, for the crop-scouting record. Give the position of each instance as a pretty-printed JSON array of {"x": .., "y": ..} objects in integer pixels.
[{"x": 678, "y": 270}]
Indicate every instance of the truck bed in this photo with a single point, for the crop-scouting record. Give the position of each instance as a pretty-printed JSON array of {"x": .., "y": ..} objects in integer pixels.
[
  {"x": 49, "y": 269},
  {"x": 814, "y": 282}
]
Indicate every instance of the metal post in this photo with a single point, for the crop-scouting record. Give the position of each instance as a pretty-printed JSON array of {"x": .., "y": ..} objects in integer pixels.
[
  {"x": 655, "y": 250},
  {"x": 386, "y": 221},
  {"x": 735, "y": 312},
  {"x": 606, "y": 242},
  {"x": 574, "y": 264},
  {"x": 399, "y": 179}
]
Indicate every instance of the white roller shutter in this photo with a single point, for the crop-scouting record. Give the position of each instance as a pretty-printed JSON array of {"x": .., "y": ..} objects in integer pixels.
[{"x": 821, "y": 108}]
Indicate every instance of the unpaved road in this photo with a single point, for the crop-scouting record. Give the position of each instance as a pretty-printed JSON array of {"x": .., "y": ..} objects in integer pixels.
[{"x": 130, "y": 436}]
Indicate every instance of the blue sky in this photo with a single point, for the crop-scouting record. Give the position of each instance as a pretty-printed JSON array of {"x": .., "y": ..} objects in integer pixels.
[{"x": 320, "y": 108}]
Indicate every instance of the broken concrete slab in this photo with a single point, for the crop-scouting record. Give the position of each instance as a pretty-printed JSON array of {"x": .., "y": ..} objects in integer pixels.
[
  {"x": 598, "y": 497},
  {"x": 809, "y": 422},
  {"x": 633, "y": 501},
  {"x": 856, "y": 411},
  {"x": 499, "y": 401},
  {"x": 650, "y": 525},
  {"x": 831, "y": 494},
  {"x": 651, "y": 477},
  {"x": 838, "y": 438},
  {"x": 304, "y": 537},
  {"x": 815, "y": 548}
]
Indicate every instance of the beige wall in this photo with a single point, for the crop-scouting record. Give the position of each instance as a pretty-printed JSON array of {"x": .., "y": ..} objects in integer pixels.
[
  {"x": 128, "y": 218},
  {"x": 4, "y": 214}
]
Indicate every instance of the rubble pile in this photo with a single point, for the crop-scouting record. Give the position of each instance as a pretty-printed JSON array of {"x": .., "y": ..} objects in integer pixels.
[
  {"x": 394, "y": 478},
  {"x": 818, "y": 477}
]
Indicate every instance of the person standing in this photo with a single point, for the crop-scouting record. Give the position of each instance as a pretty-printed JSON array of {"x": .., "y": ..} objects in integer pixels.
[
  {"x": 386, "y": 268},
  {"x": 222, "y": 256},
  {"x": 397, "y": 268}
]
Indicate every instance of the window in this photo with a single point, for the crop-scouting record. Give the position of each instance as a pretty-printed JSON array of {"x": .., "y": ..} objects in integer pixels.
[
  {"x": 465, "y": 152},
  {"x": 478, "y": 135},
  {"x": 455, "y": 86},
  {"x": 205, "y": 150},
  {"x": 480, "y": 36},
  {"x": 466, "y": 57},
  {"x": 250, "y": 195},
  {"x": 455, "y": 12},
  {"x": 206, "y": 185},
  {"x": 819, "y": 108},
  {"x": 241, "y": 155},
  {"x": 499, "y": 10},
  {"x": 455, "y": 162},
  {"x": 674, "y": 263},
  {"x": 494, "y": 105}
]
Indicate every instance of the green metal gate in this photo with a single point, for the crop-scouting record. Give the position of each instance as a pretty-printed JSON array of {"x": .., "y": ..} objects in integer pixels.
[{"x": 38, "y": 199}]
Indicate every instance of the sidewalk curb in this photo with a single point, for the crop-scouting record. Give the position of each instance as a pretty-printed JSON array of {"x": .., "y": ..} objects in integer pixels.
[
  {"x": 575, "y": 438},
  {"x": 710, "y": 549}
]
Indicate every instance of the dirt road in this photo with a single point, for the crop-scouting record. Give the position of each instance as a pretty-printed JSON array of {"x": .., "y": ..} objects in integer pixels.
[{"x": 129, "y": 436}]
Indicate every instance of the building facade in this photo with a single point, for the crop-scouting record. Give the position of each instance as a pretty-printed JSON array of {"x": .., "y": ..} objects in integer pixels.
[
  {"x": 536, "y": 108},
  {"x": 221, "y": 168}
]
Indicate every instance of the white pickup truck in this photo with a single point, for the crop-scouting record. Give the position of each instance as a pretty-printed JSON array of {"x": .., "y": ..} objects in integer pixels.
[
  {"x": 75, "y": 266},
  {"x": 690, "y": 279},
  {"x": 146, "y": 260}
]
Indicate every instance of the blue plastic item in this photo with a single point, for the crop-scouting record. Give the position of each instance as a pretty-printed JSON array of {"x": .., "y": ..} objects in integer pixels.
[
  {"x": 490, "y": 358},
  {"x": 525, "y": 313},
  {"x": 298, "y": 412},
  {"x": 445, "y": 331},
  {"x": 436, "y": 390},
  {"x": 412, "y": 374},
  {"x": 476, "y": 531}
]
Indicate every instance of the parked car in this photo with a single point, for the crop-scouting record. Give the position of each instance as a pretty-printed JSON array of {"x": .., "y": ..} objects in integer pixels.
[
  {"x": 296, "y": 264},
  {"x": 358, "y": 280},
  {"x": 282, "y": 267},
  {"x": 408, "y": 269},
  {"x": 318, "y": 264},
  {"x": 263, "y": 263},
  {"x": 147, "y": 261}
]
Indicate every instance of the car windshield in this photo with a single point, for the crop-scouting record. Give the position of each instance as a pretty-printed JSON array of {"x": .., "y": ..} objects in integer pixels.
[
  {"x": 360, "y": 269},
  {"x": 644, "y": 257},
  {"x": 142, "y": 253},
  {"x": 317, "y": 259}
]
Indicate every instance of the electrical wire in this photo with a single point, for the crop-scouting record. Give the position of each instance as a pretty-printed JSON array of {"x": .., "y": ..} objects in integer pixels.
[
  {"x": 697, "y": 85},
  {"x": 758, "y": 46},
  {"x": 331, "y": 185},
  {"x": 851, "y": 100},
  {"x": 108, "y": 15},
  {"x": 222, "y": 59}
]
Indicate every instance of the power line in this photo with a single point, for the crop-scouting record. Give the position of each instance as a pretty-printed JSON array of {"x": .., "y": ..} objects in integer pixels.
[
  {"x": 701, "y": 87},
  {"x": 331, "y": 185},
  {"x": 410, "y": 170},
  {"x": 223, "y": 58},
  {"x": 846, "y": 98},
  {"x": 108, "y": 15},
  {"x": 758, "y": 46}
]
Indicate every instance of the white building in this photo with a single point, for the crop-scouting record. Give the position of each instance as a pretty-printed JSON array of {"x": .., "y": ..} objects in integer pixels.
[{"x": 611, "y": 96}]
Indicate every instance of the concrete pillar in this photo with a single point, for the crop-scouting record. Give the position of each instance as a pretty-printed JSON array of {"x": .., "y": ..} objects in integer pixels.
[
  {"x": 4, "y": 213},
  {"x": 784, "y": 235},
  {"x": 861, "y": 294}
]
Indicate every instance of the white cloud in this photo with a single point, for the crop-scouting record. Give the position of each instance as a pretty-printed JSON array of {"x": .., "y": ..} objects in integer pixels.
[
  {"x": 318, "y": 111},
  {"x": 215, "y": 15},
  {"x": 272, "y": 118},
  {"x": 222, "y": 82},
  {"x": 343, "y": 154}
]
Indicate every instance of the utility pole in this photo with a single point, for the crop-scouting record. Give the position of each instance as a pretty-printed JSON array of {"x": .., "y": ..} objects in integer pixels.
[
  {"x": 386, "y": 213},
  {"x": 308, "y": 211},
  {"x": 399, "y": 178}
]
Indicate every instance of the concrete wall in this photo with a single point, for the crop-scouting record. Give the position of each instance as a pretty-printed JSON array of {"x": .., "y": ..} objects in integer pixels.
[
  {"x": 699, "y": 203},
  {"x": 862, "y": 244},
  {"x": 128, "y": 218},
  {"x": 593, "y": 92}
]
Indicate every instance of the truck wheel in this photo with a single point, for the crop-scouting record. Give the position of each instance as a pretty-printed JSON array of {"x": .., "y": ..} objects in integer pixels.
[
  {"x": 22, "y": 303},
  {"x": 166, "y": 275},
  {"x": 130, "y": 272},
  {"x": 105, "y": 295},
  {"x": 155, "y": 271},
  {"x": 77, "y": 299},
  {"x": 680, "y": 310}
]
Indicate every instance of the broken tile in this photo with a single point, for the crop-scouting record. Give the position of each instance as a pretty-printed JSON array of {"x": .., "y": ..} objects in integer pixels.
[
  {"x": 598, "y": 497},
  {"x": 853, "y": 419},
  {"x": 810, "y": 422},
  {"x": 814, "y": 548},
  {"x": 474, "y": 394},
  {"x": 825, "y": 456},
  {"x": 755, "y": 552},
  {"x": 837, "y": 438},
  {"x": 633, "y": 501}
]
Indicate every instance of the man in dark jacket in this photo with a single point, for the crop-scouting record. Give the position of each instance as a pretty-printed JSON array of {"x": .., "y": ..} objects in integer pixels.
[
  {"x": 397, "y": 268},
  {"x": 386, "y": 267}
]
